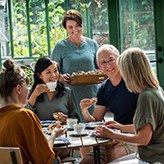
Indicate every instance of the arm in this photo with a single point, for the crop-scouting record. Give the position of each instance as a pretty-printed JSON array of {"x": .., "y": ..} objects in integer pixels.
[
  {"x": 40, "y": 88},
  {"x": 54, "y": 134},
  {"x": 98, "y": 113},
  {"x": 123, "y": 128},
  {"x": 57, "y": 56},
  {"x": 142, "y": 137}
]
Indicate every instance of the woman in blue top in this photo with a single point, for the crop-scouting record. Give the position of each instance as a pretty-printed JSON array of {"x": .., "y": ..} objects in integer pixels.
[{"x": 76, "y": 53}]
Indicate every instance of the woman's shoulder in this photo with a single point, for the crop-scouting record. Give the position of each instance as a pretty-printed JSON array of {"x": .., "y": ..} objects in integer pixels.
[
  {"x": 62, "y": 42},
  {"x": 67, "y": 89},
  {"x": 26, "y": 112},
  {"x": 151, "y": 92},
  {"x": 91, "y": 41}
]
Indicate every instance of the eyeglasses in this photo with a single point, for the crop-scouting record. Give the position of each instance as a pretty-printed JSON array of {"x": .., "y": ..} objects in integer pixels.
[{"x": 109, "y": 62}]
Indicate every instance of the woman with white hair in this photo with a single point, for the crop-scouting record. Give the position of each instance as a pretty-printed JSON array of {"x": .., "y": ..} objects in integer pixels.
[{"x": 147, "y": 132}]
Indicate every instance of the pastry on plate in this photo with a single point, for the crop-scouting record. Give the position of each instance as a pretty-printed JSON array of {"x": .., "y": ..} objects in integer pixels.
[{"x": 56, "y": 116}]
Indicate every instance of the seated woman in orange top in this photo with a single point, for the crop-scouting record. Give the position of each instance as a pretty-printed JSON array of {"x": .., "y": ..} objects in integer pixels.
[{"x": 21, "y": 127}]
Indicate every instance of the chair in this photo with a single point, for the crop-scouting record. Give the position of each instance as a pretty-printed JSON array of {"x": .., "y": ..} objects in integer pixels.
[
  {"x": 69, "y": 159},
  {"x": 10, "y": 155}
]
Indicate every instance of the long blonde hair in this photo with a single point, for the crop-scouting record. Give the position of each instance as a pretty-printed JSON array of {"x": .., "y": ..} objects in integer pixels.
[{"x": 136, "y": 70}]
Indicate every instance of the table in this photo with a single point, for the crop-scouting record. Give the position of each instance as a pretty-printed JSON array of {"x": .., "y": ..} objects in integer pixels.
[{"x": 84, "y": 140}]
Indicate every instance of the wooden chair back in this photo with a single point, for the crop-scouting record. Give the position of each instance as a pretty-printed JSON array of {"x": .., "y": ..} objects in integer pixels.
[{"x": 10, "y": 155}]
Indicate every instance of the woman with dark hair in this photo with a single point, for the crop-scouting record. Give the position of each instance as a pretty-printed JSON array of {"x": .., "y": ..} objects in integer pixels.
[
  {"x": 44, "y": 102},
  {"x": 20, "y": 127},
  {"x": 76, "y": 53}
]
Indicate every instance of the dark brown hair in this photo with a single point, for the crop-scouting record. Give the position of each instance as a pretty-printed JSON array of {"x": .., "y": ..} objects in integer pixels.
[
  {"x": 72, "y": 15},
  {"x": 42, "y": 64},
  {"x": 10, "y": 76}
]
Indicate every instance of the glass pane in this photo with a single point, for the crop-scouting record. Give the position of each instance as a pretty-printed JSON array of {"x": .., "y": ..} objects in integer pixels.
[
  {"x": 56, "y": 12},
  {"x": 97, "y": 11},
  {"x": 19, "y": 26},
  {"x": 4, "y": 33},
  {"x": 99, "y": 21},
  {"x": 38, "y": 28},
  {"x": 137, "y": 26}
]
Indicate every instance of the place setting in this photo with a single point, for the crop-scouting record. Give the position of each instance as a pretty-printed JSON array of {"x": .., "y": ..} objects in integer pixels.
[
  {"x": 93, "y": 125},
  {"x": 46, "y": 123},
  {"x": 79, "y": 130}
]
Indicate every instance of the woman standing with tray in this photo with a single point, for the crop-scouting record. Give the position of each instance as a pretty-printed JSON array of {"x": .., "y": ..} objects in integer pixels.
[{"x": 76, "y": 53}]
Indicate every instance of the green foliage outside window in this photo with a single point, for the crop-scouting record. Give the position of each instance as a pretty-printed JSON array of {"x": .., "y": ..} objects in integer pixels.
[{"x": 37, "y": 26}]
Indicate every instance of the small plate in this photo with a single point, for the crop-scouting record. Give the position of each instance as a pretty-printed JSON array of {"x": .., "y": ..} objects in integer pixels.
[
  {"x": 47, "y": 123},
  {"x": 92, "y": 125},
  {"x": 61, "y": 141},
  {"x": 75, "y": 134},
  {"x": 93, "y": 133}
]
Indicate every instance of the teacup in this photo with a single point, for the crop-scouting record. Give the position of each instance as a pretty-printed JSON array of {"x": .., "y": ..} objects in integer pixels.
[
  {"x": 51, "y": 85},
  {"x": 71, "y": 122},
  {"x": 79, "y": 128}
]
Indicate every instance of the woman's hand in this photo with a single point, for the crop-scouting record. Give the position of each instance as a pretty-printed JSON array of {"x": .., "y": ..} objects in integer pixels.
[
  {"x": 60, "y": 117},
  {"x": 40, "y": 88},
  {"x": 113, "y": 125},
  {"x": 104, "y": 132},
  {"x": 57, "y": 132},
  {"x": 66, "y": 78}
]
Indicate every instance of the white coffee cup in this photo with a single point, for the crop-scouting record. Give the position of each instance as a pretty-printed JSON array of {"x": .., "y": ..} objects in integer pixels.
[
  {"x": 51, "y": 85},
  {"x": 71, "y": 122},
  {"x": 79, "y": 128}
]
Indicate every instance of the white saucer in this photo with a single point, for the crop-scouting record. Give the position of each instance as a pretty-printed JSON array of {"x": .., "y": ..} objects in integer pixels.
[{"x": 75, "y": 134}]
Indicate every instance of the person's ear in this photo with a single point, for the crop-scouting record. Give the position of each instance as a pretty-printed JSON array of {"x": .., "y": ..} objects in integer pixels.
[
  {"x": 18, "y": 88},
  {"x": 39, "y": 75}
]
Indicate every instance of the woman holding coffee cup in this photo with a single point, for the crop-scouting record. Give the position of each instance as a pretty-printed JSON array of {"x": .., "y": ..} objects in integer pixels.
[{"x": 48, "y": 94}]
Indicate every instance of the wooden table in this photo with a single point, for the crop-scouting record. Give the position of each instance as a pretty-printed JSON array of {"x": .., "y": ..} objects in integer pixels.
[{"x": 84, "y": 140}]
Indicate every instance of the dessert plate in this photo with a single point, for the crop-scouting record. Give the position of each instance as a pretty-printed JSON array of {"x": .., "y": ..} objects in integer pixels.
[
  {"x": 61, "y": 141},
  {"x": 93, "y": 133},
  {"x": 47, "y": 123},
  {"x": 92, "y": 125}
]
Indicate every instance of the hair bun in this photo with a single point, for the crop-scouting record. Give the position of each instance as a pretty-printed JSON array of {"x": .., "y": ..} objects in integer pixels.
[{"x": 9, "y": 65}]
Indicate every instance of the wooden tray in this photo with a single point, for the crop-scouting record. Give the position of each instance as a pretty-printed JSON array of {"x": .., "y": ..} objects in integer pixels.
[{"x": 87, "y": 79}]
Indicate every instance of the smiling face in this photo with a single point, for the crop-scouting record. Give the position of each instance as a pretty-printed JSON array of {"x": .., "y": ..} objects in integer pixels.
[
  {"x": 51, "y": 73},
  {"x": 73, "y": 28},
  {"x": 107, "y": 63}
]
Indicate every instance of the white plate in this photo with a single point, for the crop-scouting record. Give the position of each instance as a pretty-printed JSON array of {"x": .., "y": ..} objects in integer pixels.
[
  {"x": 47, "y": 123},
  {"x": 92, "y": 125},
  {"x": 61, "y": 141},
  {"x": 93, "y": 133}
]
